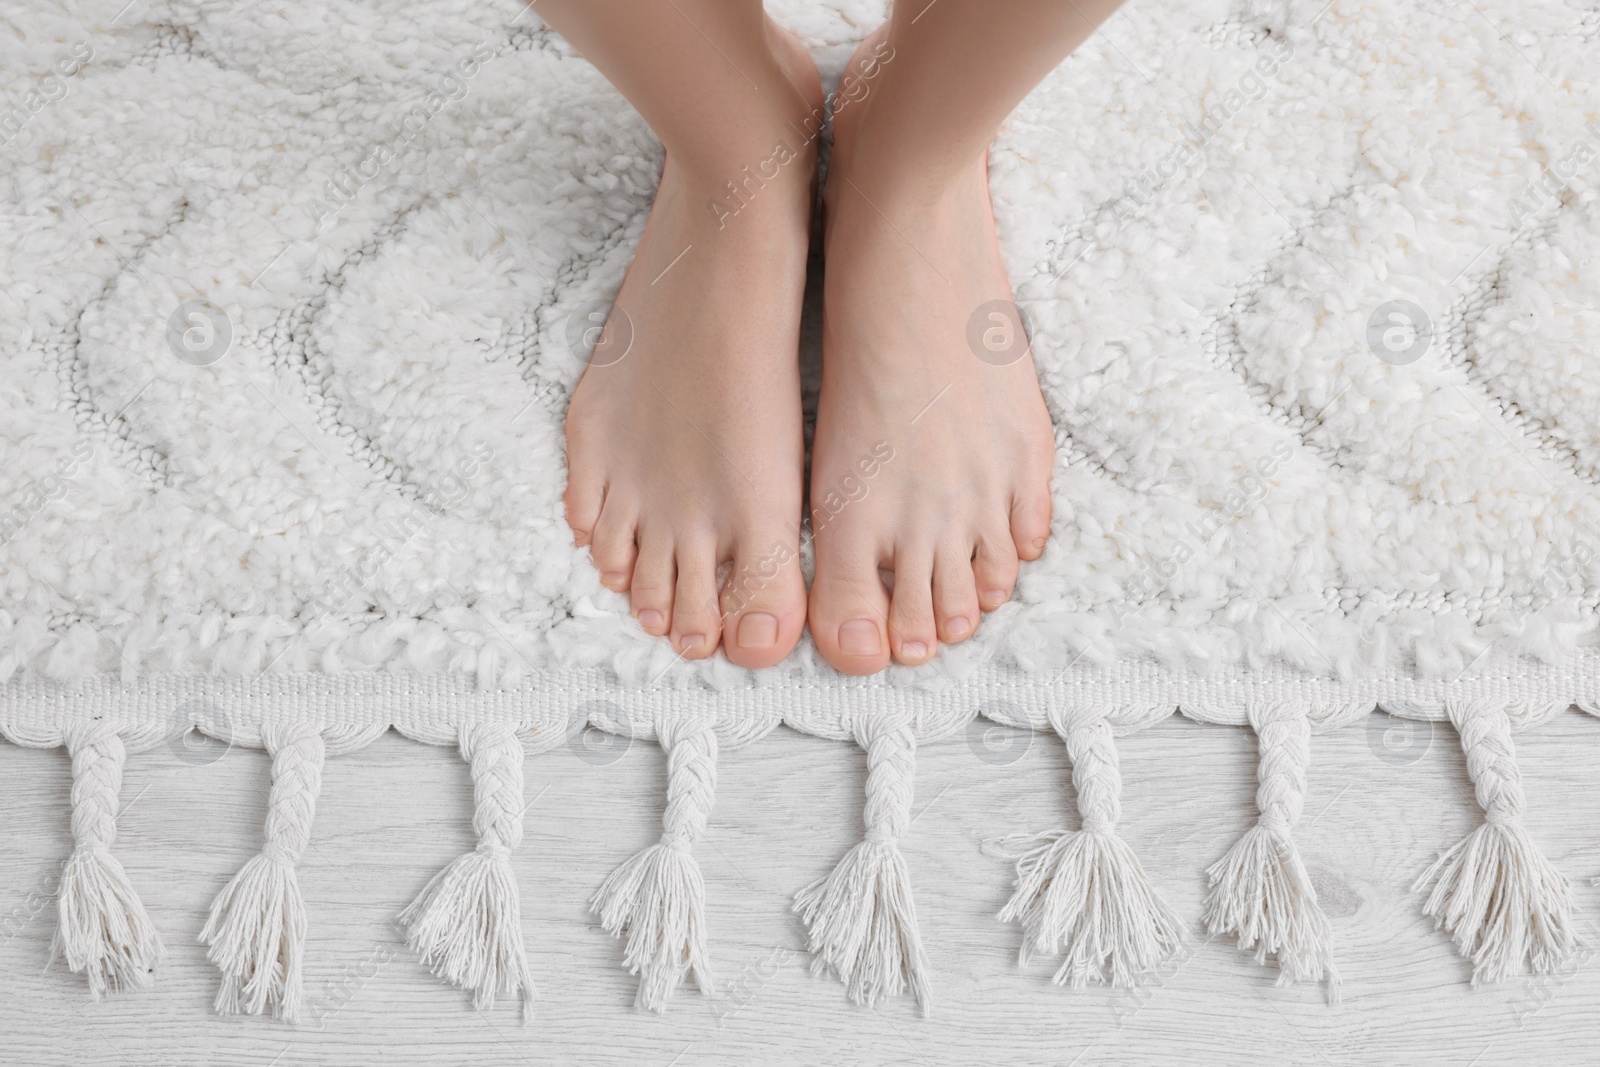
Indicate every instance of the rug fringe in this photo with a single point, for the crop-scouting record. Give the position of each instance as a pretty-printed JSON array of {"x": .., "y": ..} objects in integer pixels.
[
  {"x": 104, "y": 932},
  {"x": 466, "y": 924},
  {"x": 256, "y": 930},
  {"x": 657, "y": 897},
  {"x": 1503, "y": 903},
  {"x": 1261, "y": 890},
  {"x": 861, "y": 917},
  {"x": 1083, "y": 894}
]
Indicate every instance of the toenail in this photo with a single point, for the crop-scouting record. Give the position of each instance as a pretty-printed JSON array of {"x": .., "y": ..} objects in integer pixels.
[
  {"x": 614, "y": 579},
  {"x": 859, "y": 637},
  {"x": 995, "y": 597},
  {"x": 1038, "y": 542},
  {"x": 650, "y": 618},
  {"x": 691, "y": 641},
  {"x": 914, "y": 650},
  {"x": 959, "y": 626},
  {"x": 758, "y": 630}
]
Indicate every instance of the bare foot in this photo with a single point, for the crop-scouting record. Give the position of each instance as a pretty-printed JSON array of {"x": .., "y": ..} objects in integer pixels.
[
  {"x": 933, "y": 448},
  {"x": 685, "y": 445}
]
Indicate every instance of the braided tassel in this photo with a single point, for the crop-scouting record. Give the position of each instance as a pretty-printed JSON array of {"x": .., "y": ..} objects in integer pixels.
[
  {"x": 104, "y": 932},
  {"x": 1083, "y": 894},
  {"x": 1496, "y": 893},
  {"x": 466, "y": 924},
  {"x": 862, "y": 919},
  {"x": 257, "y": 928},
  {"x": 1261, "y": 890},
  {"x": 657, "y": 898}
]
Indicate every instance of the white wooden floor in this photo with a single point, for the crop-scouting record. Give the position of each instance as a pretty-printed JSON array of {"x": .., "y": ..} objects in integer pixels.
[{"x": 1381, "y": 804}]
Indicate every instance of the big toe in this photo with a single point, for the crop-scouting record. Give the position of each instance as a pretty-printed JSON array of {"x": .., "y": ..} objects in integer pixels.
[
  {"x": 763, "y": 605},
  {"x": 848, "y": 615}
]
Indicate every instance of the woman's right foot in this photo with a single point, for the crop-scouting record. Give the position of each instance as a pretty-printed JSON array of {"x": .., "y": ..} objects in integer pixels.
[{"x": 685, "y": 443}]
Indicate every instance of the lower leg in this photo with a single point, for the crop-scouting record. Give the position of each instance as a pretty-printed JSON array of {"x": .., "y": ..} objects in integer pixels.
[
  {"x": 685, "y": 449},
  {"x": 713, "y": 78},
  {"x": 959, "y": 68},
  {"x": 915, "y": 293}
]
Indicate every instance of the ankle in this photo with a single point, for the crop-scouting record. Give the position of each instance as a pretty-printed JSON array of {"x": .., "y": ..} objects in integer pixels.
[
  {"x": 745, "y": 140},
  {"x": 907, "y": 187},
  {"x": 767, "y": 136},
  {"x": 770, "y": 181}
]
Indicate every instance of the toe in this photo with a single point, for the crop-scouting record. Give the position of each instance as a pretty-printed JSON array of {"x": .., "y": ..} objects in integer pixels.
[
  {"x": 613, "y": 544},
  {"x": 955, "y": 595},
  {"x": 654, "y": 576},
  {"x": 912, "y": 633},
  {"x": 994, "y": 569},
  {"x": 1030, "y": 524},
  {"x": 695, "y": 624},
  {"x": 848, "y": 612},
  {"x": 582, "y": 498},
  {"x": 763, "y": 604}
]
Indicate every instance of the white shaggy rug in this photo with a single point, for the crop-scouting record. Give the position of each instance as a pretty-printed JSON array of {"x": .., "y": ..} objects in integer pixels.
[{"x": 293, "y": 298}]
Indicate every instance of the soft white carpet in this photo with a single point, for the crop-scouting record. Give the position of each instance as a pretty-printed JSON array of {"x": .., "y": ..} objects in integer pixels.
[{"x": 286, "y": 328}]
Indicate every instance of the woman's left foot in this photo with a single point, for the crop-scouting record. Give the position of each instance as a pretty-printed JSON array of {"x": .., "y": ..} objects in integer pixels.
[{"x": 933, "y": 449}]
